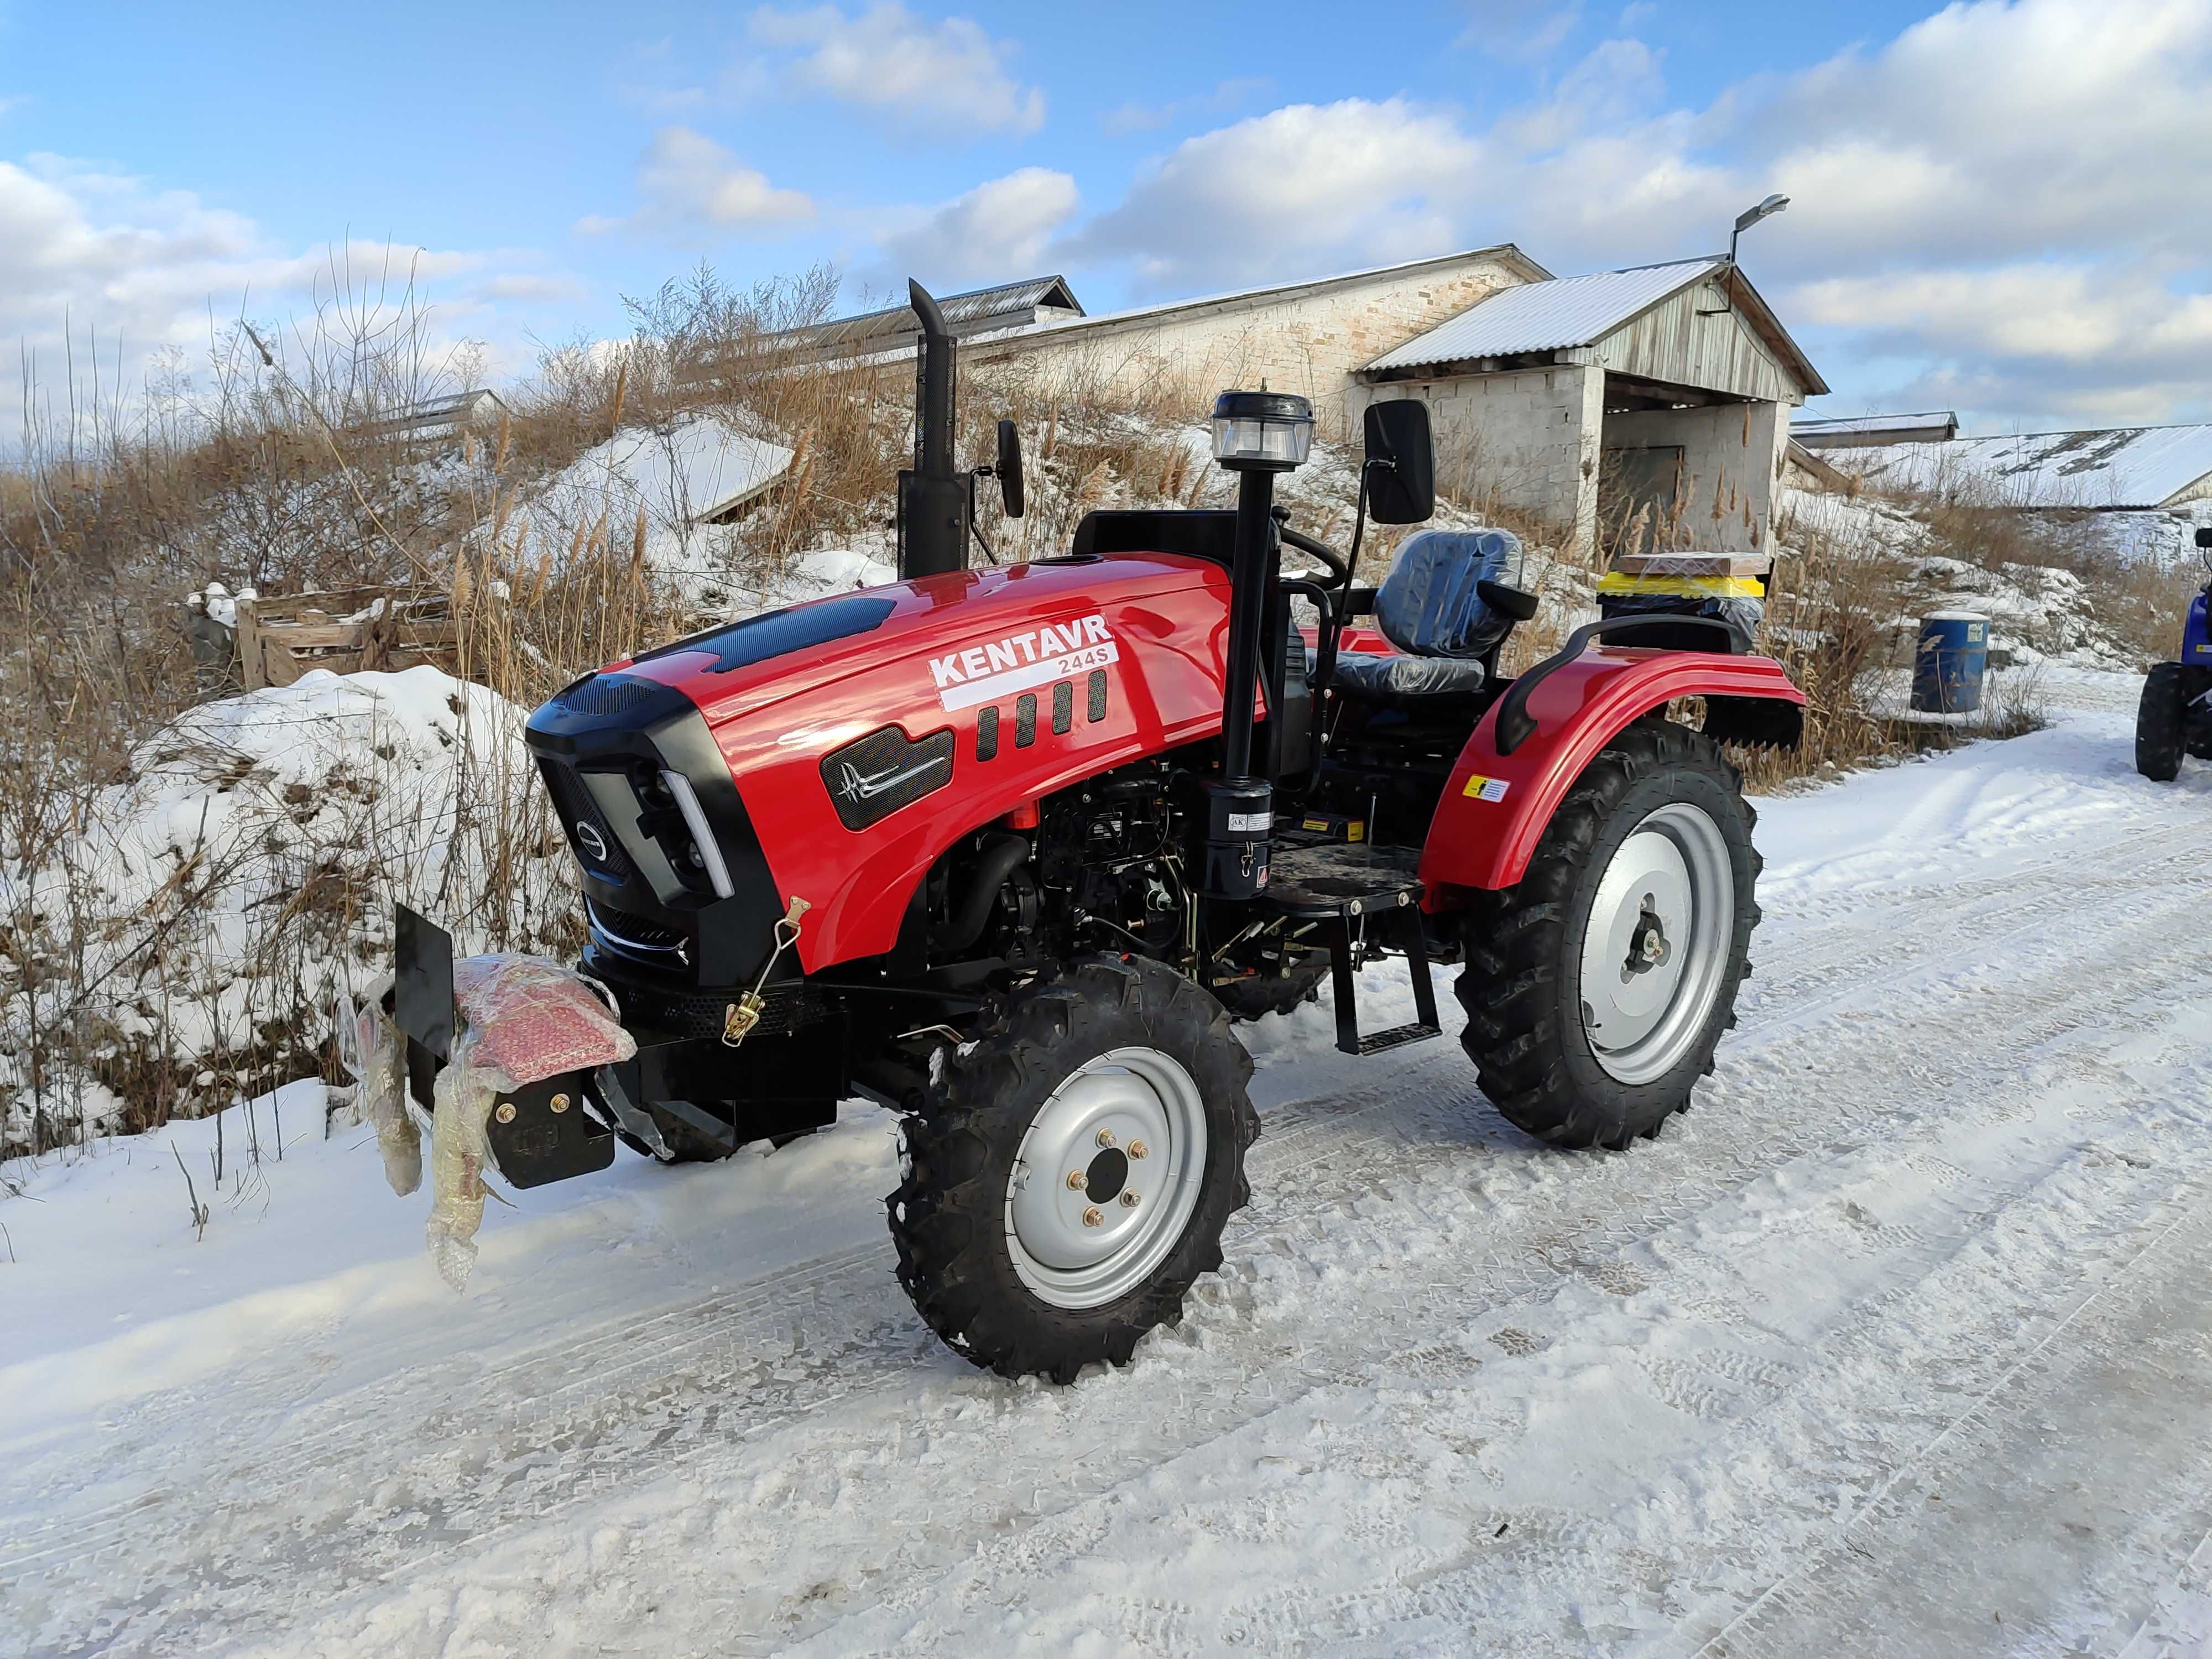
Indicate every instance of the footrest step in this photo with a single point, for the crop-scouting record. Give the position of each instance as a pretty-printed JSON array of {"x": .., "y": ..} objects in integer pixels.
[{"x": 1398, "y": 1036}]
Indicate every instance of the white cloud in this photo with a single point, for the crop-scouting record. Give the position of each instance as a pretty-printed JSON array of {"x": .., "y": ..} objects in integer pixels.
[
  {"x": 997, "y": 232},
  {"x": 1133, "y": 118},
  {"x": 1298, "y": 191},
  {"x": 688, "y": 185},
  {"x": 99, "y": 253},
  {"x": 949, "y": 76},
  {"x": 1524, "y": 29},
  {"x": 2009, "y": 196}
]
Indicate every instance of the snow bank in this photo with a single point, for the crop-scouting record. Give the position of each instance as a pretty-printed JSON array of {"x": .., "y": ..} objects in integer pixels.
[{"x": 214, "y": 902}]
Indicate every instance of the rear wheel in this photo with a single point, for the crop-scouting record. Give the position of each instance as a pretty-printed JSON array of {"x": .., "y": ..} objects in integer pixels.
[
  {"x": 2161, "y": 722},
  {"x": 1599, "y": 985},
  {"x": 1068, "y": 1177}
]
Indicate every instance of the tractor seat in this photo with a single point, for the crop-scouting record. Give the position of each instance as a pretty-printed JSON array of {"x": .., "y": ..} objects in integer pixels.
[{"x": 1428, "y": 608}]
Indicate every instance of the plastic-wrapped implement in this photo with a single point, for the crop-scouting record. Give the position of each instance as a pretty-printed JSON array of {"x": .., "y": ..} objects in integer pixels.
[{"x": 521, "y": 1019}]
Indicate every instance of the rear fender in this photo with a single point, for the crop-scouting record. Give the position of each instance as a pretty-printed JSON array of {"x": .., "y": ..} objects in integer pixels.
[
  {"x": 2197, "y": 633},
  {"x": 1495, "y": 809}
]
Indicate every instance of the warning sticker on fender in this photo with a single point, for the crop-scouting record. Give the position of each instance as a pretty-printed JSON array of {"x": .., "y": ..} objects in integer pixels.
[{"x": 1482, "y": 788}]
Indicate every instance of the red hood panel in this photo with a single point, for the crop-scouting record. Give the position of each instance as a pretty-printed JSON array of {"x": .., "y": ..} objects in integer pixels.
[{"x": 1152, "y": 628}]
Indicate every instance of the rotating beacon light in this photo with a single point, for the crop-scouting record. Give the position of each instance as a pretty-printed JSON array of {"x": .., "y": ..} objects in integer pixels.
[{"x": 1256, "y": 434}]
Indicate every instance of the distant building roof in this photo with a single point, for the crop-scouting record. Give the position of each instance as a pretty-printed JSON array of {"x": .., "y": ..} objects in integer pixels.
[
  {"x": 1554, "y": 316},
  {"x": 2127, "y": 466},
  {"x": 1935, "y": 426},
  {"x": 478, "y": 407},
  {"x": 1573, "y": 313},
  {"x": 1008, "y": 305}
]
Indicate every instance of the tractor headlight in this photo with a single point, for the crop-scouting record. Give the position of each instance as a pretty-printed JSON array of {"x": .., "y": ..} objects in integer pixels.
[{"x": 1261, "y": 430}]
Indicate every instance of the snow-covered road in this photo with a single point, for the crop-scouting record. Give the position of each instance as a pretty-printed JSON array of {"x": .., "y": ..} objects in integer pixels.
[{"x": 1896, "y": 1344}]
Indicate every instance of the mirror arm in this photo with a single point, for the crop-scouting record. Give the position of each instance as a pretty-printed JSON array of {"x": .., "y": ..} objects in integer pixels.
[
  {"x": 1360, "y": 512},
  {"x": 975, "y": 529}
]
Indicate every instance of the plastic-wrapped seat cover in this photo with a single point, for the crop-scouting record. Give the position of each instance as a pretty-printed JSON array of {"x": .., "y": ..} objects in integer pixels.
[{"x": 1428, "y": 608}]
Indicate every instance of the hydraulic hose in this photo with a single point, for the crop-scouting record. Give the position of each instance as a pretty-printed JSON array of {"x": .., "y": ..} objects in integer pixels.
[{"x": 1001, "y": 856}]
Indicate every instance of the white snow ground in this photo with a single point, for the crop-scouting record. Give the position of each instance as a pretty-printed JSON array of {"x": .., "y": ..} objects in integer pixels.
[{"x": 1896, "y": 1344}]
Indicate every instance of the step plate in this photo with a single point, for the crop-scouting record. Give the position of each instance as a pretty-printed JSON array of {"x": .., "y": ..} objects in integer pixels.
[
  {"x": 1343, "y": 880},
  {"x": 1397, "y": 1038}
]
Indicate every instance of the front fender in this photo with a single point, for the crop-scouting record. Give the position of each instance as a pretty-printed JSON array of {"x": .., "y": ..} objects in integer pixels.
[{"x": 1496, "y": 806}]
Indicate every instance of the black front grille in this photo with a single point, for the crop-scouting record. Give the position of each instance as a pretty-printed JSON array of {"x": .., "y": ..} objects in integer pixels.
[
  {"x": 593, "y": 836},
  {"x": 786, "y": 1008},
  {"x": 637, "y": 938}
]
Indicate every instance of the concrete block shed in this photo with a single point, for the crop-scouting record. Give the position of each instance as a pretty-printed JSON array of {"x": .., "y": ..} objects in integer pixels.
[{"x": 1647, "y": 407}]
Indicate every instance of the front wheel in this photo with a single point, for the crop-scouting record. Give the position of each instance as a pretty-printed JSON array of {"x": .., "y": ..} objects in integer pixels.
[
  {"x": 1068, "y": 1177},
  {"x": 1598, "y": 987},
  {"x": 2162, "y": 722}
]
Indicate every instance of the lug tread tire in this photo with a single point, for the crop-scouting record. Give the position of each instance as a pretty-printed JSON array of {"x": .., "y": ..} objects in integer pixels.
[
  {"x": 1530, "y": 1055},
  {"x": 2161, "y": 719},
  {"x": 947, "y": 1218}
]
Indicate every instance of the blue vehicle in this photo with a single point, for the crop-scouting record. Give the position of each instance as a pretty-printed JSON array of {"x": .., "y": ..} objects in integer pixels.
[{"x": 2175, "y": 718}]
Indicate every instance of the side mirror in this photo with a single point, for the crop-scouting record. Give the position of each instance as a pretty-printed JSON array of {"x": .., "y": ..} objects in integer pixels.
[
  {"x": 1009, "y": 469},
  {"x": 2205, "y": 537},
  {"x": 1400, "y": 471}
]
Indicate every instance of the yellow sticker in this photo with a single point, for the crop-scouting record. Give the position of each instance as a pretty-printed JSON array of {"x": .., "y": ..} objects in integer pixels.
[{"x": 1482, "y": 788}]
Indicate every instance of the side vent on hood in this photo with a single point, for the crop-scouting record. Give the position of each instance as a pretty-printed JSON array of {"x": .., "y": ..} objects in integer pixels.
[{"x": 870, "y": 780}]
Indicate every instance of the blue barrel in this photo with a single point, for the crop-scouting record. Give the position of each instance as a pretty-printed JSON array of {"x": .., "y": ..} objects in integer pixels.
[{"x": 1947, "y": 668}]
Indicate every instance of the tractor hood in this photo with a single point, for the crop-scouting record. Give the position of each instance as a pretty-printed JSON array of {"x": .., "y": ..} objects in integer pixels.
[{"x": 836, "y": 749}]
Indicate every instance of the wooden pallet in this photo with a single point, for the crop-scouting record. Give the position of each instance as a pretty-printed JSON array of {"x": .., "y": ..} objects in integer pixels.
[{"x": 343, "y": 630}]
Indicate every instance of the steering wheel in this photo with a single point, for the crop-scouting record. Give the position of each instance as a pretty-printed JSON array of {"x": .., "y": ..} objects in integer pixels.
[{"x": 1340, "y": 571}]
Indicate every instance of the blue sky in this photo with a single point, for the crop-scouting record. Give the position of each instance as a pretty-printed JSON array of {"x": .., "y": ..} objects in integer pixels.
[{"x": 1998, "y": 206}]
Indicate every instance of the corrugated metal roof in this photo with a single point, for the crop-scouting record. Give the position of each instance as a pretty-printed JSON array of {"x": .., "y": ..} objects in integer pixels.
[
  {"x": 962, "y": 311},
  {"x": 1934, "y": 420},
  {"x": 1558, "y": 315},
  {"x": 2128, "y": 466}
]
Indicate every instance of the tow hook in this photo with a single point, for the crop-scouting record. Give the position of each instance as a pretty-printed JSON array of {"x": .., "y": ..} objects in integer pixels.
[{"x": 741, "y": 1016}]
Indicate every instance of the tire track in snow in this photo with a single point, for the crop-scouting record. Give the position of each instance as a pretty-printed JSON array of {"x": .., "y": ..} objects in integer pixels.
[
  {"x": 1844, "y": 1596},
  {"x": 664, "y": 1348}
]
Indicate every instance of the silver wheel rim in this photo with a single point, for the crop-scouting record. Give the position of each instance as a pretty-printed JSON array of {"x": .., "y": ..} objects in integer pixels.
[
  {"x": 1128, "y": 1123},
  {"x": 1656, "y": 947}
]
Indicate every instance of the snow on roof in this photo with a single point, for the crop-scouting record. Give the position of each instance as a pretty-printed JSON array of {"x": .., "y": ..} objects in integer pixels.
[
  {"x": 1933, "y": 420},
  {"x": 687, "y": 476},
  {"x": 2128, "y": 466},
  {"x": 1558, "y": 315}
]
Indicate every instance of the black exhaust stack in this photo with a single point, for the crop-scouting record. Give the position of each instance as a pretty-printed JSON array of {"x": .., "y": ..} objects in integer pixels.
[{"x": 932, "y": 499}]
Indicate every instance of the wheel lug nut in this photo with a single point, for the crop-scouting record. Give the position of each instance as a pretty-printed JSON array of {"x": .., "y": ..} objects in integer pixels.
[
  {"x": 1077, "y": 1181},
  {"x": 1105, "y": 1137},
  {"x": 506, "y": 1112},
  {"x": 1128, "y": 1198},
  {"x": 1093, "y": 1216},
  {"x": 1138, "y": 1151}
]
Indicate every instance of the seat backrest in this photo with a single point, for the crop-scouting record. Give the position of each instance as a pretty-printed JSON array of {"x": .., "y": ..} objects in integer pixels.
[{"x": 1427, "y": 605}]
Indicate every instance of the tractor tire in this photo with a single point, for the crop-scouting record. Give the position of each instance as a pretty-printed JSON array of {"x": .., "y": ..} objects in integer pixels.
[
  {"x": 1068, "y": 1175},
  {"x": 2161, "y": 722},
  {"x": 1598, "y": 987}
]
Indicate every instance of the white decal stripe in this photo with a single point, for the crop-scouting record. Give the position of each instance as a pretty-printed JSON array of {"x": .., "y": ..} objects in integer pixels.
[{"x": 992, "y": 687}]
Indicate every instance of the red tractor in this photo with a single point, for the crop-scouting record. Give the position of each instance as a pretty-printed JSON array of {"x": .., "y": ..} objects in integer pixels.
[{"x": 1009, "y": 850}]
